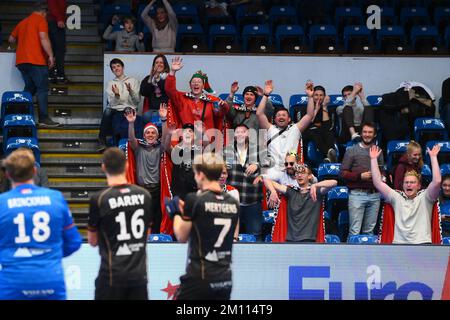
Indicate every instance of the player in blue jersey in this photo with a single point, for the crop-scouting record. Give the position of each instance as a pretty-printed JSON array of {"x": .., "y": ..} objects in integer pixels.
[{"x": 36, "y": 232}]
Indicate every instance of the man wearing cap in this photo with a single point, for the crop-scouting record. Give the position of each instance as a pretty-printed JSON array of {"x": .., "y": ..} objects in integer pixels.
[
  {"x": 283, "y": 136},
  {"x": 148, "y": 153},
  {"x": 245, "y": 113},
  {"x": 189, "y": 107}
]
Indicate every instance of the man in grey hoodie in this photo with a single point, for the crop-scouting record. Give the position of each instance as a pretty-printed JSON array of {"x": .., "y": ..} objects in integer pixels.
[{"x": 126, "y": 39}]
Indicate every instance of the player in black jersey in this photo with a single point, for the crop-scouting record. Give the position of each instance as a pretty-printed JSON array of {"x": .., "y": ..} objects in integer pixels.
[
  {"x": 208, "y": 219},
  {"x": 119, "y": 219}
]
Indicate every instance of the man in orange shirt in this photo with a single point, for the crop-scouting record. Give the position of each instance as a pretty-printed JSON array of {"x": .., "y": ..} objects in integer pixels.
[{"x": 34, "y": 56}]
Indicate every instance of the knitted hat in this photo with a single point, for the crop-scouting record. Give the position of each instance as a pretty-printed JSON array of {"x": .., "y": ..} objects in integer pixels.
[
  {"x": 150, "y": 126},
  {"x": 204, "y": 77},
  {"x": 251, "y": 89}
]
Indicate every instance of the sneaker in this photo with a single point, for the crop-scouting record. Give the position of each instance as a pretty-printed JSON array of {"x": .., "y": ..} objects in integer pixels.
[
  {"x": 101, "y": 145},
  {"x": 47, "y": 122},
  {"x": 326, "y": 160},
  {"x": 356, "y": 138},
  {"x": 331, "y": 155}
]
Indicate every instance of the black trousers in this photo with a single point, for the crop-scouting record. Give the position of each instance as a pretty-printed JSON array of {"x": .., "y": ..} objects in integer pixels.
[
  {"x": 348, "y": 121},
  {"x": 156, "y": 207},
  {"x": 323, "y": 137},
  {"x": 105, "y": 292},
  {"x": 58, "y": 40},
  {"x": 198, "y": 289}
]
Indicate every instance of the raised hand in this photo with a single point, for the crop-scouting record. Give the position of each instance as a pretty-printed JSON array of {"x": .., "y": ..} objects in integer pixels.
[
  {"x": 128, "y": 85},
  {"x": 268, "y": 87},
  {"x": 177, "y": 63},
  {"x": 163, "y": 111},
  {"x": 434, "y": 152},
  {"x": 259, "y": 90},
  {"x": 374, "y": 152},
  {"x": 130, "y": 114},
  {"x": 115, "y": 90},
  {"x": 326, "y": 101},
  {"x": 309, "y": 89},
  {"x": 234, "y": 87}
]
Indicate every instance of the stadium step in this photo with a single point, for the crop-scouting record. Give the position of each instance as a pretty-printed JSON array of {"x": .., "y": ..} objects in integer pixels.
[
  {"x": 75, "y": 99},
  {"x": 76, "y": 114},
  {"x": 70, "y": 159},
  {"x": 26, "y": 7},
  {"x": 81, "y": 171},
  {"x": 16, "y": 17},
  {"x": 80, "y": 58},
  {"x": 83, "y": 38},
  {"x": 84, "y": 70},
  {"x": 81, "y": 183},
  {"x": 65, "y": 133},
  {"x": 85, "y": 48},
  {"x": 76, "y": 89}
]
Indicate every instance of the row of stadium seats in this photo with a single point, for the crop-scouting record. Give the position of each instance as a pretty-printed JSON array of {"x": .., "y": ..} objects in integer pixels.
[
  {"x": 248, "y": 238},
  {"x": 18, "y": 123}
]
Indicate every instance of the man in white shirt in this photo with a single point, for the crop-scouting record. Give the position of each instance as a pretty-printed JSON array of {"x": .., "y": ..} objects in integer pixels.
[
  {"x": 412, "y": 208},
  {"x": 123, "y": 93},
  {"x": 283, "y": 136}
]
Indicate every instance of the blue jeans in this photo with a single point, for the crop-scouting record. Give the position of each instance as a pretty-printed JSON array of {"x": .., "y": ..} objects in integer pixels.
[
  {"x": 36, "y": 82},
  {"x": 363, "y": 212},
  {"x": 252, "y": 219}
]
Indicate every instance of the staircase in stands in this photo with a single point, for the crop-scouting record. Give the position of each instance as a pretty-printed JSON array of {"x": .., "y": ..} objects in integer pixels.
[{"x": 69, "y": 153}]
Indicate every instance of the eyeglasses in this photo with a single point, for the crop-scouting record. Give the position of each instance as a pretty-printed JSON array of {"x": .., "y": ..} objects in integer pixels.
[{"x": 289, "y": 163}]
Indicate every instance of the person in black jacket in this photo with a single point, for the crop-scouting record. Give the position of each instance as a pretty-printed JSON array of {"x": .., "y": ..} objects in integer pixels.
[{"x": 152, "y": 87}]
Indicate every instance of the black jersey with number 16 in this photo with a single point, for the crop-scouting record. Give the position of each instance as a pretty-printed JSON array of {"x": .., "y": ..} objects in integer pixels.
[
  {"x": 121, "y": 216},
  {"x": 214, "y": 217}
]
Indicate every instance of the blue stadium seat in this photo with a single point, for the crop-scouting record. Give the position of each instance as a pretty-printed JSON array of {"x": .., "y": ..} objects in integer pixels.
[
  {"x": 244, "y": 237},
  {"x": 445, "y": 168},
  {"x": 324, "y": 38},
  {"x": 445, "y": 216},
  {"x": 446, "y": 241},
  {"x": 256, "y": 38},
  {"x": 269, "y": 216},
  {"x": 337, "y": 200},
  {"x": 159, "y": 237},
  {"x": 442, "y": 18},
  {"x": 290, "y": 39},
  {"x": 237, "y": 99},
  {"x": 223, "y": 38},
  {"x": 247, "y": 14},
  {"x": 268, "y": 238},
  {"x": 276, "y": 100},
  {"x": 297, "y": 106},
  {"x": 395, "y": 149},
  {"x": 332, "y": 238},
  {"x": 357, "y": 39},
  {"x": 374, "y": 100},
  {"x": 426, "y": 129},
  {"x": 314, "y": 156},
  {"x": 426, "y": 175},
  {"x": 447, "y": 37},
  {"x": 190, "y": 38},
  {"x": 346, "y": 16},
  {"x": 413, "y": 16},
  {"x": 391, "y": 38},
  {"x": 19, "y": 142},
  {"x": 444, "y": 153},
  {"x": 425, "y": 39},
  {"x": 363, "y": 239},
  {"x": 18, "y": 126},
  {"x": 336, "y": 100},
  {"x": 123, "y": 144},
  {"x": 343, "y": 225},
  {"x": 328, "y": 171},
  {"x": 279, "y": 15},
  {"x": 186, "y": 13},
  {"x": 111, "y": 9},
  {"x": 388, "y": 16},
  {"x": 16, "y": 102}
]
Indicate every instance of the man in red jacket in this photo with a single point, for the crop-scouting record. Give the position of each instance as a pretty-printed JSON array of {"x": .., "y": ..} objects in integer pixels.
[{"x": 57, "y": 31}]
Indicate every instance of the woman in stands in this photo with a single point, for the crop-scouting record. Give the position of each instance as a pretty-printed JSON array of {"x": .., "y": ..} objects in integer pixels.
[
  {"x": 322, "y": 129},
  {"x": 411, "y": 160},
  {"x": 152, "y": 87},
  {"x": 163, "y": 27}
]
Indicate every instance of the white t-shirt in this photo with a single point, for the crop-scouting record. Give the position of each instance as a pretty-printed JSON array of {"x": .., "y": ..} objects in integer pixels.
[
  {"x": 412, "y": 217},
  {"x": 282, "y": 144}
]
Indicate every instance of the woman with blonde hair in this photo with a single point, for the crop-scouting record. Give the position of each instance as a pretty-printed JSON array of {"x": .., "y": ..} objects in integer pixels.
[{"x": 412, "y": 160}]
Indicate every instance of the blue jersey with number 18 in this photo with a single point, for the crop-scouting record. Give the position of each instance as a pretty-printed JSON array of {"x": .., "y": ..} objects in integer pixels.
[{"x": 36, "y": 232}]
